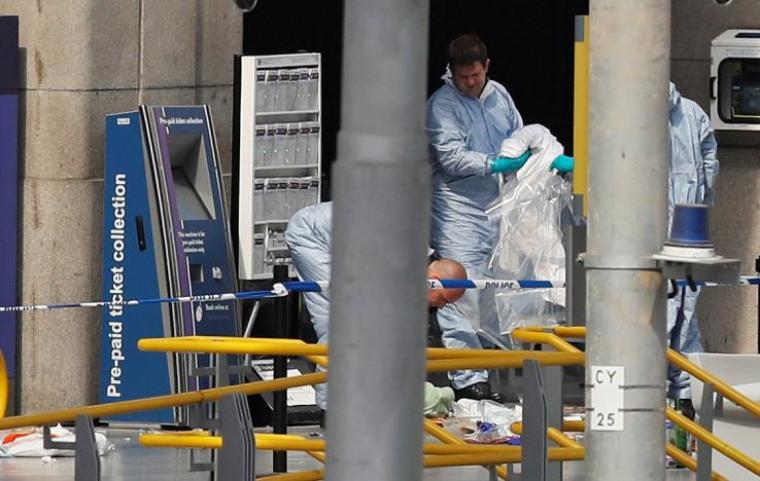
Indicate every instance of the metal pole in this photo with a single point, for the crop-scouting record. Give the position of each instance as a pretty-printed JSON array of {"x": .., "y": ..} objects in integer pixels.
[
  {"x": 534, "y": 424},
  {"x": 704, "y": 450},
  {"x": 553, "y": 390},
  {"x": 628, "y": 166},
  {"x": 380, "y": 233},
  {"x": 279, "y": 398}
]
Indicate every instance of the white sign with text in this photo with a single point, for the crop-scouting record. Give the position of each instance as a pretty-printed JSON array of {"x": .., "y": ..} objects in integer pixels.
[{"x": 607, "y": 398}]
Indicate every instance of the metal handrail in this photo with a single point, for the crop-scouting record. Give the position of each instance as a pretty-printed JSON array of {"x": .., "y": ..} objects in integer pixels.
[
  {"x": 544, "y": 334},
  {"x": 562, "y": 439},
  {"x": 715, "y": 442},
  {"x": 160, "y": 402},
  {"x": 674, "y": 357},
  {"x": 446, "y": 437}
]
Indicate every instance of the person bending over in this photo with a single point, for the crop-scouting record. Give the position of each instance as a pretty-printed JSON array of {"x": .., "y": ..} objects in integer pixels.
[{"x": 309, "y": 238}]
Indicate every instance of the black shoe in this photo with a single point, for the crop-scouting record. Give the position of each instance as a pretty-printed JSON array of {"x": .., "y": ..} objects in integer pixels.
[
  {"x": 687, "y": 408},
  {"x": 478, "y": 391}
]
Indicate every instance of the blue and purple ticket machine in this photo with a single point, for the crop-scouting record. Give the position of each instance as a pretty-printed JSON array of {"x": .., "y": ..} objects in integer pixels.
[{"x": 165, "y": 234}]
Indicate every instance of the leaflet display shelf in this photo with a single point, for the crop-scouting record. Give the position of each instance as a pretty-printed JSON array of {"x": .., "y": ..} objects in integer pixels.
[{"x": 279, "y": 154}]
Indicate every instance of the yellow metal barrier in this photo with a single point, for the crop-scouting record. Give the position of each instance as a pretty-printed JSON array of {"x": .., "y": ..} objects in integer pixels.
[
  {"x": 563, "y": 439},
  {"x": 3, "y": 386},
  {"x": 560, "y": 438},
  {"x": 277, "y": 442},
  {"x": 289, "y": 347},
  {"x": 554, "y": 434},
  {"x": 159, "y": 402},
  {"x": 572, "y": 332},
  {"x": 181, "y": 441},
  {"x": 573, "y": 426},
  {"x": 544, "y": 338},
  {"x": 687, "y": 424},
  {"x": 673, "y": 357},
  {"x": 442, "y": 359},
  {"x": 704, "y": 435},
  {"x": 726, "y": 390},
  {"x": 440, "y": 354},
  {"x": 543, "y": 358},
  {"x": 454, "y": 454},
  {"x": 438, "y": 455},
  {"x": 510, "y": 454},
  {"x": 446, "y": 437},
  {"x": 232, "y": 345},
  {"x": 315, "y": 475},
  {"x": 685, "y": 460}
]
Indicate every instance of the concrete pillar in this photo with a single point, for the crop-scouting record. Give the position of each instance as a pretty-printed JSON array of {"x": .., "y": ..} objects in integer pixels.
[
  {"x": 81, "y": 60},
  {"x": 728, "y": 316}
]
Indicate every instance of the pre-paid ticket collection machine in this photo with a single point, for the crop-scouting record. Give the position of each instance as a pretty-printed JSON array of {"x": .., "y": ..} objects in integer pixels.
[{"x": 165, "y": 235}]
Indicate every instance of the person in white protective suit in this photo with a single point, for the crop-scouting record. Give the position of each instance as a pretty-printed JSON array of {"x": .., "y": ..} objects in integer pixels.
[
  {"x": 309, "y": 239},
  {"x": 467, "y": 119},
  {"x": 692, "y": 175}
]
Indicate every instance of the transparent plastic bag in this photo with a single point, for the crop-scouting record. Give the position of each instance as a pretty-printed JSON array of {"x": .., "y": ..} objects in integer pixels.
[
  {"x": 528, "y": 307},
  {"x": 483, "y": 422},
  {"x": 529, "y": 210}
]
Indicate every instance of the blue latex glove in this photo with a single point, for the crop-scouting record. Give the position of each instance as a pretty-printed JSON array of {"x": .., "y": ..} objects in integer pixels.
[
  {"x": 563, "y": 163},
  {"x": 501, "y": 165}
]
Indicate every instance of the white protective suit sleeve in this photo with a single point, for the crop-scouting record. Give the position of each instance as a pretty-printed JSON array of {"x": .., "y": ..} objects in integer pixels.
[
  {"x": 709, "y": 148},
  {"x": 450, "y": 142}
]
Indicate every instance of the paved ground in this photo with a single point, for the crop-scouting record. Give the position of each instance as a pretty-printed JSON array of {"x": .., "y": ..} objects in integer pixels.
[{"x": 129, "y": 461}]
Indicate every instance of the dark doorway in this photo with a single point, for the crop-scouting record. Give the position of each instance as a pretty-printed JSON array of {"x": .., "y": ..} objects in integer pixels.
[{"x": 530, "y": 43}]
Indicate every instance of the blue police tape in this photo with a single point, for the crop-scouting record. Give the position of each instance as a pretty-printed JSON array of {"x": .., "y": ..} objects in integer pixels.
[
  {"x": 285, "y": 288},
  {"x": 318, "y": 286},
  {"x": 743, "y": 281},
  {"x": 159, "y": 300}
]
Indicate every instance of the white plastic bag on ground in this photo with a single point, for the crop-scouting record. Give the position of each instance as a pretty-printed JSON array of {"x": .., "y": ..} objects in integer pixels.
[
  {"x": 529, "y": 246},
  {"x": 484, "y": 421},
  {"x": 31, "y": 445}
]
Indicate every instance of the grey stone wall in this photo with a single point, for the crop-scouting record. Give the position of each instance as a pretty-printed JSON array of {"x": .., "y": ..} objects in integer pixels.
[
  {"x": 82, "y": 60},
  {"x": 728, "y": 316}
]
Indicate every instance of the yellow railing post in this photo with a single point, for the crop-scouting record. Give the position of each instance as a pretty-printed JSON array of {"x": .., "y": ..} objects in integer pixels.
[
  {"x": 3, "y": 386},
  {"x": 580, "y": 109}
]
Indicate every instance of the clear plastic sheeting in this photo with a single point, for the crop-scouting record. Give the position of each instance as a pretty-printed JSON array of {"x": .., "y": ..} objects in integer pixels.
[
  {"x": 529, "y": 211},
  {"x": 529, "y": 307},
  {"x": 484, "y": 421}
]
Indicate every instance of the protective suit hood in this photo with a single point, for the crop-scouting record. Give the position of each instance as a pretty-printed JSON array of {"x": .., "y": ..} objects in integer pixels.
[{"x": 448, "y": 79}]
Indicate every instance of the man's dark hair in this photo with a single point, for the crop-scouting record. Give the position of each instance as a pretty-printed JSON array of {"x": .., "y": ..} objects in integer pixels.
[{"x": 466, "y": 50}]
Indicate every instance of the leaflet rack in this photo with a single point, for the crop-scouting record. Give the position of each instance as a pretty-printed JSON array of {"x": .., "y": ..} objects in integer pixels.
[{"x": 278, "y": 129}]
